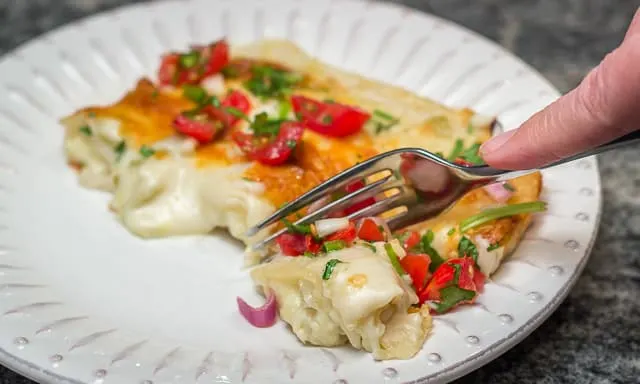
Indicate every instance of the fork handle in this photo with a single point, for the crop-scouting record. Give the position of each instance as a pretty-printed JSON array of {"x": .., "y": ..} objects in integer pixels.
[
  {"x": 502, "y": 175},
  {"x": 627, "y": 139}
]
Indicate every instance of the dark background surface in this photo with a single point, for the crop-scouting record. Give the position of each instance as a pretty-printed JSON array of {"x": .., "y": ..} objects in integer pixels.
[{"x": 594, "y": 337}]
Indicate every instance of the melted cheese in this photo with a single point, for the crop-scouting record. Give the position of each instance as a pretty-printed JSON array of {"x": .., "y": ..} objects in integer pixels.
[
  {"x": 363, "y": 302},
  {"x": 163, "y": 195}
]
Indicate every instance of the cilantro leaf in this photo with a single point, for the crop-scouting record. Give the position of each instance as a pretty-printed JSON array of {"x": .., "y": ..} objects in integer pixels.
[
  {"x": 466, "y": 248},
  {"x": 452, "y": 296},
  {"x": 303, "y": 229},
  {"x": 424, "y": 246},
  {"x": 329, "y": 267}
]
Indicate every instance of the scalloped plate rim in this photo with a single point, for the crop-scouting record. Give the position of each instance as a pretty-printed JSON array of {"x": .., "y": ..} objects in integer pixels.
[{"x": 489, "y": 352}]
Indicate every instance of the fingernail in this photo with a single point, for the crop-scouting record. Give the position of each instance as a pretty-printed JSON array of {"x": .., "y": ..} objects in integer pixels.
[{"x": 495, "y": 143}]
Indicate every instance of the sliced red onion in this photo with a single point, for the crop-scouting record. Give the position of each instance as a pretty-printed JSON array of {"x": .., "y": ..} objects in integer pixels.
[
  {"x": 426, "y": 176},
  {"x": 261, "y": 317},
  {"x": 498, "y": 192},
  {"x": 379, "y": 222},
  {"x": 326, "y": 227}
]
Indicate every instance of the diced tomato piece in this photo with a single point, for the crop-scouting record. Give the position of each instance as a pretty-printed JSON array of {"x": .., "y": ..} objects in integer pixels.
[
  {"x": 353, "y": 208},
  {"x": 200, "y": 128},
  {"x": 370, "y": 231},
  {"x": 467, "y": 271},
  {"x": 348, "y": 235},
  {"x": 330, "y": 119},
  {"x": 274, "y": 151},
  {"x": 417, "y": 266},
  {"x": 312, "y": 245},
  {"x": 202, "y": 62},
  {"x": 463, "y": 162},
  {"x": 411, "y": 241},
  {"x": 469, "y": 278},
  {"x": 442, "y": 277},
  {"x": 215, "y": 56},
  {"x": 239, "y": 101},
  {"x": 292, "y": 244},
  {"x": 168, "y": 68}
]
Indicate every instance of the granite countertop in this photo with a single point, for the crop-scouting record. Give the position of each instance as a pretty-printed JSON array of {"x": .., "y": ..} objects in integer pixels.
[{"x": 594, "y": 337}]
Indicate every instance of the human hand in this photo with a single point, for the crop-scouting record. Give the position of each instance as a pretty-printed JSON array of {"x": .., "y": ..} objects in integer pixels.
[{"x": 605, "y": 106}]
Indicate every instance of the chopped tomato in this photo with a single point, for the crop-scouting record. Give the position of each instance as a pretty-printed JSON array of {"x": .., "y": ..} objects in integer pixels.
[
  {"x": 410, "y": 239},
  {"x": 215, "y": 56},
  {"x": 442, "y": 277},
  {"x": 199, "y": 127},
  {"x": 193, "y": 66},
  {"x": 468, "y": 270},
  {"x": 348, "y": 235},
  {"x": 459, "y": 273},
  {"x": 169, "y": 69},
  {"x": 271, "y": 151},
  {"x": 292, "y": 244},
  {"x": 330, "y": 119},
  {"x": 312, "y": 244},
  {"x": 417, "y": 266},
  {"x": 356, "y": 185},
  {"x": 236, "y": 99},
  {"x": 370, "y": 231},
  {"x": 463, "y": 162}
]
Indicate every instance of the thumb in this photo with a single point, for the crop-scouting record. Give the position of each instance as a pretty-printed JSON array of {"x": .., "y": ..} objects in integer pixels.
[{"x": 606, "y": 105}]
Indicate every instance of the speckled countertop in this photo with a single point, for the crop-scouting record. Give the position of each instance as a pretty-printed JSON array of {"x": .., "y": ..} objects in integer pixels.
[{"x": 594, "y": 337}]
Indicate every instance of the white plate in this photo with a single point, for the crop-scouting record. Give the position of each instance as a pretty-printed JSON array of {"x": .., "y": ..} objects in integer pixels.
[{"x": 82, "y": 300}]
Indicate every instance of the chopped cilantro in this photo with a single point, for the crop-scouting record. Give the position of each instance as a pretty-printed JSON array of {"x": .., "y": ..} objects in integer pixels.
[
  {"x": 146, "y": 151},
  {"x": 194, "y": 93},
  {"x": 383, "y": 115},
  {"x": 213, "y": 100},
  {"x": 470, "y": 129},
  {"x": 500, "y": 212},
  {"x": 451, "y": 231},
  {"x": 308, "y": 254},
  {"x": 327, "y": 119},
  {"x": 468, "y": 154},
  {"x": 493, "y": 247},
  {"x": 466, "y": 248},
  {"x": 303, "y": 229},
  {"x": 230, "y": 71},
  {"x": 472, "y": 154},
  {"x": 189, "y": 60},
  {"x": 333, "y": 245},
  {"x": 237, "y": 113},
  {"x": 119, "y": 149},
  {"x": 368, "y": 245},
  {"x": 155, "y": 94},
  {"x": 382, "y": 121},
  {"x": 291, "y": 143},
  {"x": 509, "y": 187},
  {"x": 269, "y": 82},
  {"x": 329, "y": 267},
  {"x": 393, "y": 258},
  {"x": 329, "y": 101},
  {"x": 284, "y": 109},
  {"x": 425, "y": 247},
  {"x": 263, "y": 126},
  {"x": 450, "y": 297},
  {"x": 458, "y": 147},
  {"x": 86, "y": 130},
  {"x": 91, "y": 115}
]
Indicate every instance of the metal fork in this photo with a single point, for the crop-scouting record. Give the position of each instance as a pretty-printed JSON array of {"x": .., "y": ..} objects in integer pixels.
[{"x": 428, "y": 186}]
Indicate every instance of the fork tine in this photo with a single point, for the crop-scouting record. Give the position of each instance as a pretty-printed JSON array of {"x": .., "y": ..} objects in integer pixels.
[
  {"x": 369, "y": 190},
  {"x": 333, "y": 184},
  {"x": 398, "y": 200}
]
